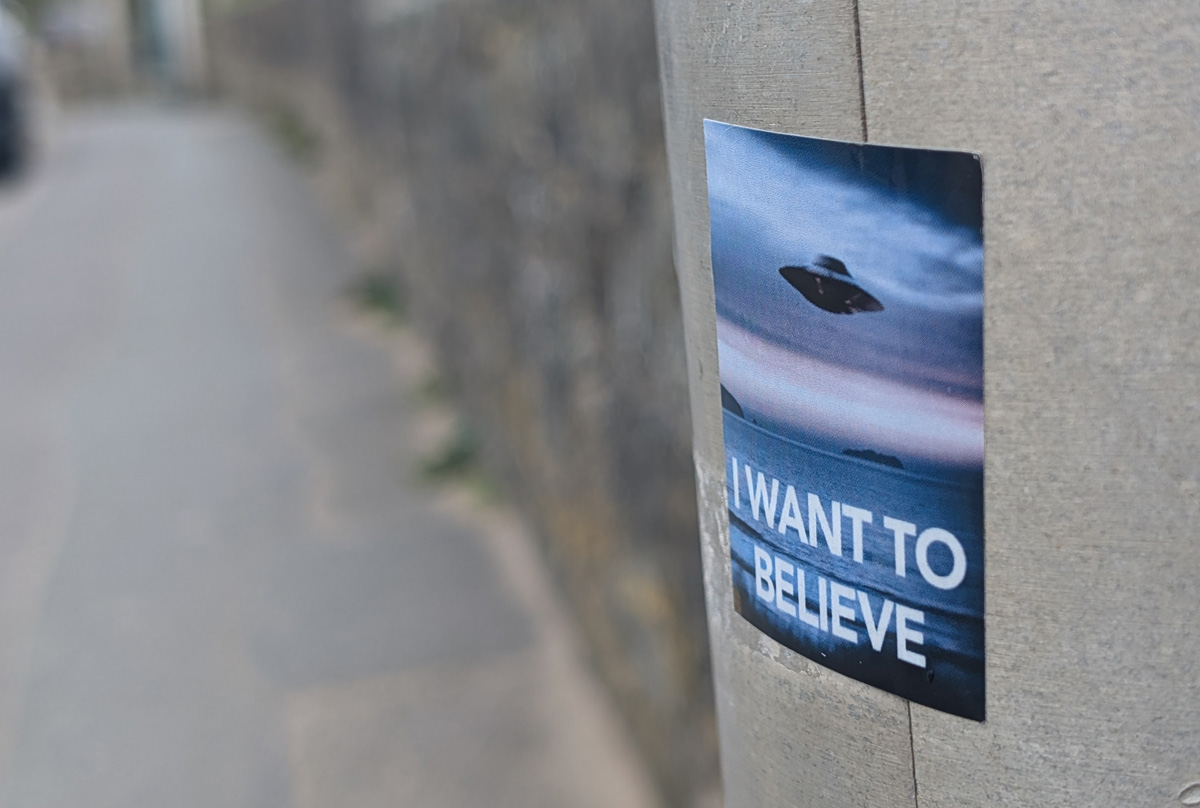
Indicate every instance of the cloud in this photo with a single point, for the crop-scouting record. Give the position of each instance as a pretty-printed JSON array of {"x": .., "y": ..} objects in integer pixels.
[
  {"x": 805, "y": 396},
  {"x": 773, "y": 206}
]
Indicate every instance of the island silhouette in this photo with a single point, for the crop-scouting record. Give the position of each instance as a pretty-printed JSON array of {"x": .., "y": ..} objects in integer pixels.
[
  {"x": 873, "y": 456},
  {"x": 730, "y": 403}
]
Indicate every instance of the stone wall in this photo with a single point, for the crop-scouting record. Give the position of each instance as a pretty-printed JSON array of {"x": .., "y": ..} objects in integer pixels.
[{"x": 508, "y": 158}]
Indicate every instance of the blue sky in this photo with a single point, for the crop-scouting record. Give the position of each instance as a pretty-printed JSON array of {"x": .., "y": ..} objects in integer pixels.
[{"x": 907, "y": 224}]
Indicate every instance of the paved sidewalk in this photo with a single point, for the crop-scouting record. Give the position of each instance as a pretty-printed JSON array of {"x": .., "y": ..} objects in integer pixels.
[{"x": 221, "y": 582}]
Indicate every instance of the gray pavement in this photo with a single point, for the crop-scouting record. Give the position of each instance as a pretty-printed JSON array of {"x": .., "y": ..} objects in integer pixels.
[{"x": 220, "y": 582}]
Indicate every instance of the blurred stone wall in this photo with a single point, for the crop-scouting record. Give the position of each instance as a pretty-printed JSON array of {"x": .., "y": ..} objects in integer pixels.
[{"x": 508, "y": 157}]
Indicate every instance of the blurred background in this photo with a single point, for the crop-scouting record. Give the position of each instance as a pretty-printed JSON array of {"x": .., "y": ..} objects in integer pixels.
[{"x": 346, "y": 442}]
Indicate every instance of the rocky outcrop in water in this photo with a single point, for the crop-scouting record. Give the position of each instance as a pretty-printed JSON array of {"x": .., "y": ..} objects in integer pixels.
[
  {"x": 874, "y": 457},
  {"x": 730, "y": 403}
]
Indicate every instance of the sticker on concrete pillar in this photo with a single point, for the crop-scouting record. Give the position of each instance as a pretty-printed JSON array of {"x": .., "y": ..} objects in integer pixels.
[{"x": 849, "y": 292}]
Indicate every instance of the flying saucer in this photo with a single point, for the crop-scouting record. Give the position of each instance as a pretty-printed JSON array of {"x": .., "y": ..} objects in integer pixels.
[{"x": 827, "y": 284}]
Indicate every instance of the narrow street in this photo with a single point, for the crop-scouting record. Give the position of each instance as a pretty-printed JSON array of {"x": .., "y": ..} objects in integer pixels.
[{"x": 222, "y": 582}]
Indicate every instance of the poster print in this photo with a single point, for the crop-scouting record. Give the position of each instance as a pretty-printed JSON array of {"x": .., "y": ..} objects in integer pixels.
[{"x": 849, "y": 295}]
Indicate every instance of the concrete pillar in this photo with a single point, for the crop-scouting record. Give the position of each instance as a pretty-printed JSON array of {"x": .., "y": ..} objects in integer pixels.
[{"x": 1087, "y": 119}]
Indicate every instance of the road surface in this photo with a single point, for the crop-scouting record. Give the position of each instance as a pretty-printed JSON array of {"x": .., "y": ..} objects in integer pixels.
[{"x": 220, "y": 582}]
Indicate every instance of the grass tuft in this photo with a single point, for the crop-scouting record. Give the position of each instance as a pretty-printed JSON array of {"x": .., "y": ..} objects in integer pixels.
[
  {"x": 456, "y": 459},
  {"x": 293, "y": 134},
  {"x": 378, "y": 293}
]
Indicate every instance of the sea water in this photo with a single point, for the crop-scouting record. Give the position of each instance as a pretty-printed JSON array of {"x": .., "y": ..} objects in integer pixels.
[{"x": 951, "y": 499}]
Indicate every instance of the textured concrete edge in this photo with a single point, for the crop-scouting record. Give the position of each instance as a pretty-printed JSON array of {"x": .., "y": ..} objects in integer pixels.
[{"x": 745, "y": 66}]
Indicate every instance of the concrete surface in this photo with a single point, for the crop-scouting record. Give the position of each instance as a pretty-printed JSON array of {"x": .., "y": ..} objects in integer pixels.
[
  {"x": 221, "y": 583},
  {"x": 1085, "y": 115}
]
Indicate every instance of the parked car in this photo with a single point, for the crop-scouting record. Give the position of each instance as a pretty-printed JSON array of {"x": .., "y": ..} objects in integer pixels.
[{"x": 14, "y": 74}]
